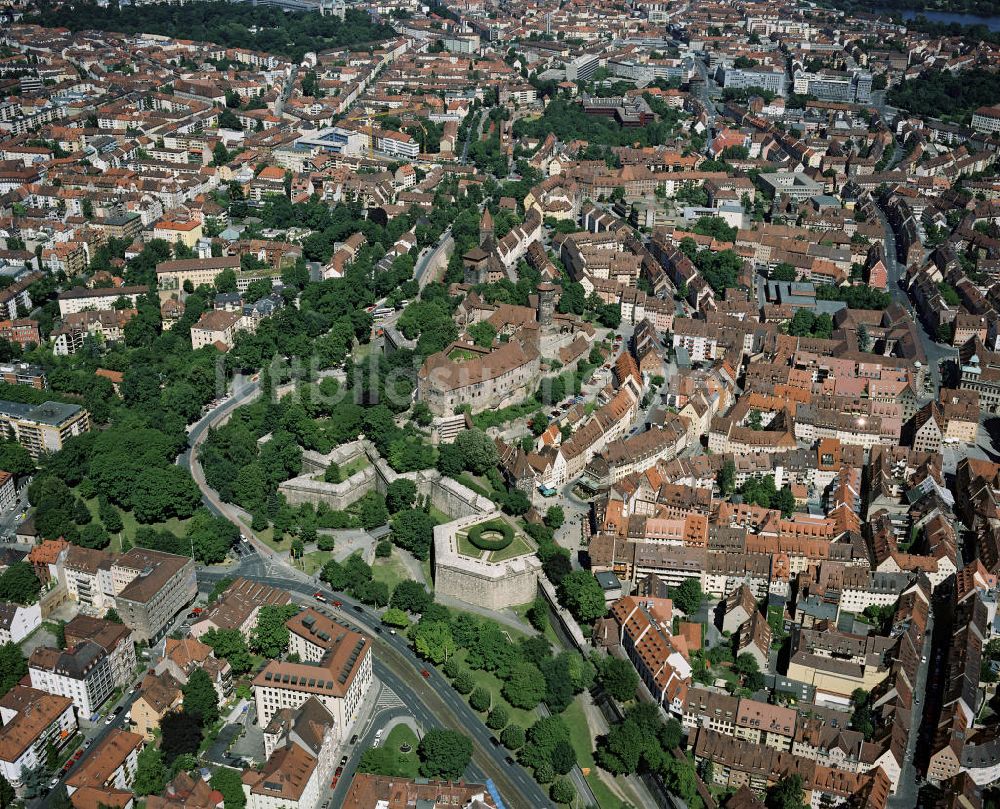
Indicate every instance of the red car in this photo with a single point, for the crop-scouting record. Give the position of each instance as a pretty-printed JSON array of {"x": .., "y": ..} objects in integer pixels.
[
  {"x": 425, "y": 673},
  {"x": 77, "y": 755},
  {"x": 319, "y": 596},
  {"x": 338, "y": 603},
  {"x": 339, "y": 772},
  {"x": 333, "y": 783}
]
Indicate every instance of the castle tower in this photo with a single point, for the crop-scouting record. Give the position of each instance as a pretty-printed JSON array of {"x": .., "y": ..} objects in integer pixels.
[
  {"x": 546, "y": 303},
  {"x": 486, "y": 227}
]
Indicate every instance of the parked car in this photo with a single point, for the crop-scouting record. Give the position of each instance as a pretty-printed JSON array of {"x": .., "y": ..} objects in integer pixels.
[
  {"x": 343, "y": 760},
  {"x": 333, "y": 783},
  {"x": 319, "y": 596},
  {"x": 354, "y": 739}
]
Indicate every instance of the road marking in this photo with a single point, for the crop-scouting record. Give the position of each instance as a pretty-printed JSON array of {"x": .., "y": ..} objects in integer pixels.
[{"x": 387, "y": 698}]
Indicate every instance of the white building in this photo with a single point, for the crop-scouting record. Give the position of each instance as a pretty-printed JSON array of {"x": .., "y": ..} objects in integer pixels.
[
  {"x": 84, "y": 674},
  {"x": 336, "y": 668},
  {"x": 17, "y": 622},
  {"x": 31, "y": 719}
]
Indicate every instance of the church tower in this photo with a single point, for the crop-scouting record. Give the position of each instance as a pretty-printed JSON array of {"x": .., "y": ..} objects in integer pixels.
[
  {"x": 546, "y": 303},
  {"x": 486, "y": 229}
]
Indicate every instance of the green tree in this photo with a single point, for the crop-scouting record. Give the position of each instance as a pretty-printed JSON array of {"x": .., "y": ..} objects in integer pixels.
[
  {"x": 478, "y": 450},
  {"x": 433, "y": 640},
  {"x": 180, "y": 733},
  {"x": 113, "y": 616},
  {"x": 562, "y": 791},
  {"x": 150, "y": 773},
  {"x": 786, "y": 794},
  {"x": 726, "y": 478},
  {"x": 395, "y": 617},
  {"x": 413, "y": 530},
  {"x": 525, "y": 686},
  {"x": 7, "y": 794},
  {"x": 498, "y": 718},
  {"x": 230, "y": 645},
  {"x": 270, "y": 637},
  {"x": 687, "y": 596},
  {"x": 512, "y": 737},
  {"x": 372, "y": 511},
  {"x": 618, "y": 678},
  {"x": 201, "y": 701},
  {"x": 19, "y": 584},
  {"x": 444, "y": 754},
  {"x": 554, "y": 517},
  {"x": 483, "y": 333},
  {"x": 400, "y": 494},
  {"x": 480, "y": 699},
  {"x": 410, "y": 596},
  {"x": 581, "y": 594},
  {"x": 230, "y": 784}
]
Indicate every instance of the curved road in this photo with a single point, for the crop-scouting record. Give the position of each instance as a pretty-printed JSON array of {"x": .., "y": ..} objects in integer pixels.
[{"x": 431, "y": 700}]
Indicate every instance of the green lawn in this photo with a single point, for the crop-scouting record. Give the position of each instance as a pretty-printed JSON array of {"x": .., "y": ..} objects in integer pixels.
[
  {"x": 267, "y": 537},
  {"x": 466, "y": 548},
  {"x": 579, "y": 732},
  {"x": 130, "y": 526},
  {"x": 392, "y": 570},
  {"x": 439, "y": 516},
  {"x": 493, "y": 684},
  {"x": 606, "y": 799},
  {"x": 400, "y": 735},
  {"x": 519, "y": 547},
  {"x": 352, "y": 467},
  {"x": 314, "y": 561}
]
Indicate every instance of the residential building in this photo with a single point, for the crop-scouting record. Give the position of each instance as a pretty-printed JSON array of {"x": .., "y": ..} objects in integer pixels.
[
  {"x": 23, "y": 373},
  {"x": 116, "y": 639},
  {"x": 181, "y": 657},
  {"x": 31, "y": 720},
  {"x": 83, "y": 673},
  {"x": 42, "y": 429},
  {"x": 107, "y": 773},
  {"x": 18, "y": 621},
  {"x": 159, "y": 694},
  {"x": 8, "y": 492},
  {"x": 218, "y": 328},
  {"x": 369, "y": 791},
  {"x": 661, "y": 661},
  {"x": 80, "y": 299}
]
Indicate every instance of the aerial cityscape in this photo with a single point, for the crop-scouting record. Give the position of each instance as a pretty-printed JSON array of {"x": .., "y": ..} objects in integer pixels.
[{"x": 499, "y": 404}]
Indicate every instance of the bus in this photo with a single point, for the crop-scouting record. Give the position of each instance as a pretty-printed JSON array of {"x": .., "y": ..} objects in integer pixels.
[{"x": 382, "y": 312}]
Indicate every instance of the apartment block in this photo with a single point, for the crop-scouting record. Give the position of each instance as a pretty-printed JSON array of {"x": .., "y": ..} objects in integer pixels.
[
  {"x": 31, "y": 720},
  {"x": 44, "y": 428},
  {"x": 83, "y": 673}
]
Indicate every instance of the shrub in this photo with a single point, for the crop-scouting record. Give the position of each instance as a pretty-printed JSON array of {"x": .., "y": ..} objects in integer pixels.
[{"x": 491, "y": 543}]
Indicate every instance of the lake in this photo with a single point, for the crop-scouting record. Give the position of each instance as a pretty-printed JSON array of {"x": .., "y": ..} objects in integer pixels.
[{"x": 946, "y": 17}]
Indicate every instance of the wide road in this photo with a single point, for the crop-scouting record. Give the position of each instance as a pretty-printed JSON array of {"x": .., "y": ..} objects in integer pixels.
[{"x": 397, "y": 666}]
